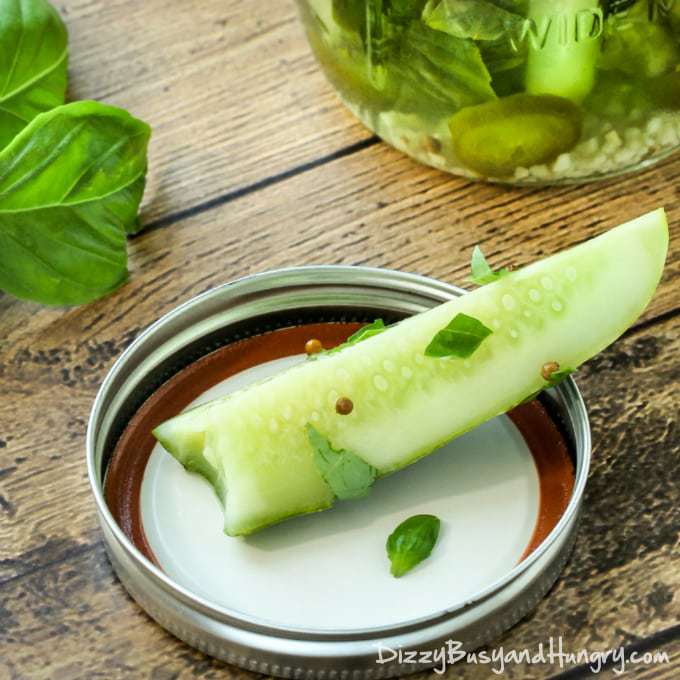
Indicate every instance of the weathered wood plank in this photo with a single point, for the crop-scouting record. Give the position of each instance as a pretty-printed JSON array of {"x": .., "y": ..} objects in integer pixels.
[
  {"x": 230, "y": 88},
  {"x": 656, "y": 657},
  {"x": 375, "y": 207},
  {"x": 621, "y": 584},
  {"x": 80, "y": 603}
]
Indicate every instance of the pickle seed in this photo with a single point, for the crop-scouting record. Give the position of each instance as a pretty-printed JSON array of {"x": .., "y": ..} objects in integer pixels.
[
  {"x": 313, "y": 346},
  {"x": 344, "y": 406},
  {"x": 548, "y": 369}
]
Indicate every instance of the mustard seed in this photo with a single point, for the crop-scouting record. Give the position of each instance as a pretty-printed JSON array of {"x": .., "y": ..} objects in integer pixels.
[
  {"x": 344, "y": 406},
  {"x": 548, "y": 369},
  {"x": 313, "y": 346}
]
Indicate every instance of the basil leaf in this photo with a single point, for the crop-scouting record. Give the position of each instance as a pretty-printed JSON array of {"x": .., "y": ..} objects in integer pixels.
[
  {"x": 432, "y": 66},
  {"x": 475, "y": 19},
  {"x": 70, "y": 187},
  {"x": 348, "y": 475},
  {"x": 555, "y": 379},
  {"x": 481, "y": 271},
  {"x": 411, "y": 542},
  {"x": 405, "y": 10},
  {"x": 33, "y": 62},
  {"x": 558, "y": 376},
  {"x": 459, "y": 339},
  {"x": 365, "y": 332}
]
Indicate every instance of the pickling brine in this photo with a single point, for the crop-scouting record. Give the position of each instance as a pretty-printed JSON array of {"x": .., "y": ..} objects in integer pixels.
[{"x": 519, "y": 91}]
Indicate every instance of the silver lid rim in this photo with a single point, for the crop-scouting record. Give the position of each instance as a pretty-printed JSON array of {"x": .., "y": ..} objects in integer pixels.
[{"x": 325, "y": 275}]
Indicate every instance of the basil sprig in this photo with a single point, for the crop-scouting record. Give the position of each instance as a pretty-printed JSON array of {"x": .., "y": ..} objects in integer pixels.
[
  {"x": 348, "y": 475},
  {"x": 71, "y": 176},
  {"x": 460, "y": 338},
  {"x": 412, "y": 542}
]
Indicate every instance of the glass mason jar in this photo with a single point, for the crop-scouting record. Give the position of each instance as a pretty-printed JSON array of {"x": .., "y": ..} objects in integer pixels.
[{"x": 518, "y": 91}]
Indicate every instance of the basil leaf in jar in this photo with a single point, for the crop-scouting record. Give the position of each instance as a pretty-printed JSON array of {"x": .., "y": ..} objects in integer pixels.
[
  {"x": 412, "y": 542},
  {"x": 436, "y": 67},
  {"x": 476, "y": 19}
]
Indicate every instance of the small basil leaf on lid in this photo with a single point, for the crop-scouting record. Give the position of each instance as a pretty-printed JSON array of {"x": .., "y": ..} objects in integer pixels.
[
  {"x": 412, "y": 542},
  {"x": 481, "y": 272},
  {"x": 348, "y": 475},
  {"x": 459, "y": 339}
]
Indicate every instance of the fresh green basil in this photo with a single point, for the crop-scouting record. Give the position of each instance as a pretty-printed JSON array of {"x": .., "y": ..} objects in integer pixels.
[
  {"x": 412, "y": 542},
  {"x": 555, "y": 379},
  {"x": 475, "y": 19},
  {"x": 365, "y": 332},
  {"x": 70, "y": 187},
  {"x": 558, "y": 376},
  {"x": 33, "y": 63},
  {"x": 448, "y": 71},
  {"x": 348, "y": 475},
  {"x": 459, "y": 339},
  {"x": 481, "y": 272}
]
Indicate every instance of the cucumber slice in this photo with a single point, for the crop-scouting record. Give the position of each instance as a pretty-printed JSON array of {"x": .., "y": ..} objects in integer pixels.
[
  {"x": 522, "y": 130},
  {"x": 565, "y": 308}
]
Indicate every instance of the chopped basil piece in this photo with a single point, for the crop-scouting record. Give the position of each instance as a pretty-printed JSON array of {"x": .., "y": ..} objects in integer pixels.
[
  {"x": 365, "y": 332},
  {"x": 412, "y": 542},
  {"x": 558, "y": 376},
  {"x": 378, "y": 326},
  {"x": 481, "y": 271},
  {"x": 459, "y": 339},
  {"x": 348, "y": 475},
  {"x": 555, "y": 379}
]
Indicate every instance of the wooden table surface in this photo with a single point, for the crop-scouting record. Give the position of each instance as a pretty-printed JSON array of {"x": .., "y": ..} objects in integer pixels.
[{"x": 255, "y": 164}]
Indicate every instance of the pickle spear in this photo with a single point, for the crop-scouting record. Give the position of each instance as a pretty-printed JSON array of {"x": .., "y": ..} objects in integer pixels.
[{"x": 283, "y": 446}]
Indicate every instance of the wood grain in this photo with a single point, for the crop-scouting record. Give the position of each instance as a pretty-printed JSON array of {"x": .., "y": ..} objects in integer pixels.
[
  {"x": 621, "y": 584},
  {"x": 231, "y": 90},
  {"x": 81, "y": 604}
]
